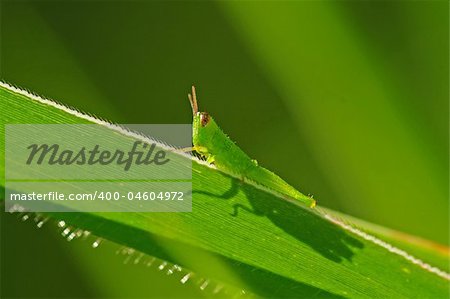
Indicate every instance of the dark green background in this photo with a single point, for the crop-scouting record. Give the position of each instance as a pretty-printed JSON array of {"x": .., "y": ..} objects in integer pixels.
[{"x": 346, "y": 100}]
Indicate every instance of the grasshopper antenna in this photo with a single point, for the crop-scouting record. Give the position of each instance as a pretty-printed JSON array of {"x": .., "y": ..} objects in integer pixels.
[{"x": 193, "y": 101}]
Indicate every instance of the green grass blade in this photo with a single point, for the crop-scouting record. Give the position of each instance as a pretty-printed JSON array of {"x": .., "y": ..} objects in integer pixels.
[{"x": 272, "y": 247}]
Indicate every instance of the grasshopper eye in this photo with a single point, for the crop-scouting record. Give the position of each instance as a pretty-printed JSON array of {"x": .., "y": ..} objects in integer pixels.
[{"x": 204, "y": 119}]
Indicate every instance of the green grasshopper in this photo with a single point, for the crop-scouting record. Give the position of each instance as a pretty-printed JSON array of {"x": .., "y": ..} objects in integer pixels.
[{"x": 210, "y": 142}]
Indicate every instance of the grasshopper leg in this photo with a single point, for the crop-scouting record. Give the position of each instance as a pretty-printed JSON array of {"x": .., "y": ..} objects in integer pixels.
[
  {"x": 198, "y": 149},
  {"x": 210, "y": 159}
]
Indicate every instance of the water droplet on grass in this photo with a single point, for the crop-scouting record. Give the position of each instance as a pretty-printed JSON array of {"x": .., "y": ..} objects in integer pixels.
[
  {"x": 138, "y": 259},
  {"x": 40, "y": 224},
  {"x": 204, "y": 285},
  {"x": 79, "y": 233},
  {"x": 96, "y": 243},
  {"x": 86, "y": 234},
  {"x": 185, "y": 278},
  {"x": 71, "y": 236},
  {"x": 16, "y": 208},
  {"x": 162, "y": 266},
  {"x": 65, "y": 232},
  {"x": 173, "y": 269}
]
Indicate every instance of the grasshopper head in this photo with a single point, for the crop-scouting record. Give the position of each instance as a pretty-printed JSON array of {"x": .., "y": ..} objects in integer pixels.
[{"x": 203, "y": 125}]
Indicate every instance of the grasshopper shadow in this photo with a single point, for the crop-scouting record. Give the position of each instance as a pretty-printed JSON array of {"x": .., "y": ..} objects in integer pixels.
[{"x": 329, "y": 240}]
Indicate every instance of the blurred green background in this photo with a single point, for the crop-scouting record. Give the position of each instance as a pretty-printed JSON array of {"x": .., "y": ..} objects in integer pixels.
[{"x": 346, "y": 100}]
